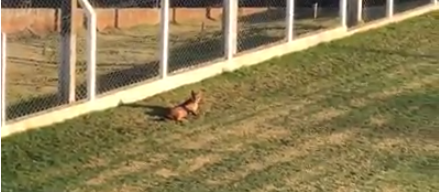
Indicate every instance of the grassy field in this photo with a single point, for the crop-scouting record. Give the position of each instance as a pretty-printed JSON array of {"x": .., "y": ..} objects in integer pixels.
[
  {"x": 359, "y": 114},
  {"x": 128, "y": 56}
]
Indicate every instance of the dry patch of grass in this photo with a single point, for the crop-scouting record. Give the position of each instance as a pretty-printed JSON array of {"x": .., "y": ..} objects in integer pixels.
[{"x": 124, "y": 169}]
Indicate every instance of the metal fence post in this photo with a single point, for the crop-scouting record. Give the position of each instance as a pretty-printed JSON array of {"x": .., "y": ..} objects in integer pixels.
[
  {"x": 67, "y": 69},
  {"x": 91, "y": 48},
  {"x": 344, "y": 13},
  {"x": 164, "y": 38},
  {"x": 360, "y": 11},
  {"x": 390, "y": 8},
  {"x": 3, "y": 83},
  {"x": 230, "y": 16},
  {"x": 290, "y": 20}
]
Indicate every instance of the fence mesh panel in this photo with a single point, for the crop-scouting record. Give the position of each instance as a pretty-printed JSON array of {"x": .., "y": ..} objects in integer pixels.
[
  {"x": 312, "y": 16},
  {"x": 406, "y": 5},
  {"x": 195, "y": 33},
  {"x": 127, "y": 42},
  {"x": 260, "y": 22},
  {"x": 32, "y": 58},
  {"x": 374, "y": 10}
]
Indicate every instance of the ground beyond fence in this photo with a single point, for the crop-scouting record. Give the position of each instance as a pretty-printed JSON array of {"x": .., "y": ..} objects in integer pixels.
[
  {"x": 47, "y": 20},
  {"x": 142, "y": 61}
]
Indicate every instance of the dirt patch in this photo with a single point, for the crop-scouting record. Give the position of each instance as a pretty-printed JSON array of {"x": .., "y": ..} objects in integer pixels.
[
  {"x": 390, "y": 92},
  {"x": 166, "y": 173},
  {"x": 247, "y": 128},
  {"x": 414, "y": 84},
  {"x": 197, "y": 142},
  {"x": 389, "y": 143},
  {"x": 390, "y": 188},
  {"x": 285, "y": 154},
  {"x": 326, "y": 114},
  {"x": 345, "y": 189},
  {"x": 199, "y": 162},
  {"x": 386, "y": 93},
  {"x": 127, "y": 188},
  {"x": 358, "y": 102},
  {"x": 123, "y": 169},
  {"x": 267, "y": 188},
  {"x": 255, "y": 128},
  {"x": 307, "y": 173},
  {"x": 378, "y": 120},
  {"x": 393, "y": 145}
]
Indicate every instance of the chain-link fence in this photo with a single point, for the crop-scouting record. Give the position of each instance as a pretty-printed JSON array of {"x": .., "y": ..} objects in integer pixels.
[
  {"x": 373, "y": 10},
  {"x": 260, "y": 23},
  {"x": 195, "y": 33},
  {"x": 316, "y": 15},
  {"x": 127, "y": 42},
  {"x": 405, "y": 5},
  {"x": 32, "y": 57},
  {"x": 378, "y": 9}
]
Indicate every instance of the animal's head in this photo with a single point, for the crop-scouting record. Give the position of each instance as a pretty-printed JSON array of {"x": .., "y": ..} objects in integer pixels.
[{"x": 196, "y": 96}]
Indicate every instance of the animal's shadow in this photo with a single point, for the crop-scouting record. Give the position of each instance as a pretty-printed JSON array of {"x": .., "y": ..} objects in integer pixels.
[{"x": 155, "y": 112}]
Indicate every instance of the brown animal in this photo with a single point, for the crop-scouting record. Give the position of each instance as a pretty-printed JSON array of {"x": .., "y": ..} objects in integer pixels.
[{"x": 190, "y": 106}]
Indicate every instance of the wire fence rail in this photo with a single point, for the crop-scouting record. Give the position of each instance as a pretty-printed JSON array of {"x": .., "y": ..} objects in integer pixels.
[{"x": 58, "y": 53}]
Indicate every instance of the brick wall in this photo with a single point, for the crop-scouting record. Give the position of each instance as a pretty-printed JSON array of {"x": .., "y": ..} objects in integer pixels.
[{"x": 45, "y": 20}]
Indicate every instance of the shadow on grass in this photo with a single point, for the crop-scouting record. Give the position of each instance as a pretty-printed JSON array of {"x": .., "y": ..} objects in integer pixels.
[{"x": 156, "y": 112}]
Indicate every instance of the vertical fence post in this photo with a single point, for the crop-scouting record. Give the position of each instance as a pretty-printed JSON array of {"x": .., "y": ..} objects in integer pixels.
[
  {"x": 290, "y": 20},
  {"x": 344, "y": 13},
  {"x": 91, "y": 48},
  {"x": 390, "y": 8},
  {"x": 67, "y": 71},
  {"x": 360, "y": 11},
  {"x": 230, "y": 16},
  {"x": 164, "y": 38},
  {"x": 3, "y": 83},
  {"x": 91, "y": 53},
  {"x": 315, "y": 8}
]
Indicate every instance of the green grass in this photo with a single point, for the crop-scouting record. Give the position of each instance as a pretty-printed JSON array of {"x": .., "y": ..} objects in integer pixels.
[{"x": 359, "y": 114}]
